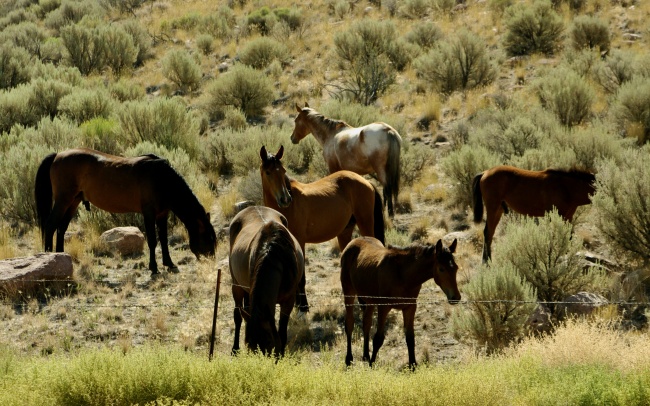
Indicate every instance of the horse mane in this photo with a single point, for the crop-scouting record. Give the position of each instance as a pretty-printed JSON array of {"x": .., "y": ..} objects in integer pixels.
[
  {"x": 574, "y": 172},
  {"x": 182, "y": 199},
  {"x": 415, "y": 249},
  {"x": 330, "y": 123}
]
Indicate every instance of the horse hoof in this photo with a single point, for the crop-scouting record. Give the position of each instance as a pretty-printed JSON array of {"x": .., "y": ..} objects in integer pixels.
[
  {"x": 301, "y": 314},
  {"x": 173, "y": 269},
  {"x": 156, "y": 275}
]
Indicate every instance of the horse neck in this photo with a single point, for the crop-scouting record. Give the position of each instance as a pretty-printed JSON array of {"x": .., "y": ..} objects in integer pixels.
[
  {"x": 416, "y": 272},
  {"x": 182, "y": 202},
  {"x": 321, "y": 128}
]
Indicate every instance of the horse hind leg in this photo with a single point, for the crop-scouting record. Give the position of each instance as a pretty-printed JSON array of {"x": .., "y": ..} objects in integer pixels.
[
  {"x": 380, "y": 334},
  {"x": 367, "y": 324},
  {"x": 63, "y": 226},
  {"x": 491, "y": 222},
  {"x": 150, "y": 231},
  {"x": 161, "y": 225}
]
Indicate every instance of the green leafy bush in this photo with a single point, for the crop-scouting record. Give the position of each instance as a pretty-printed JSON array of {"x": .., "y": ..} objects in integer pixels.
[
  {"x": 141, "y": 39},
  {"x": 182, "y": 69},
  {"x": 85, "y": 47},
  {"x": 244, "y": 88},
  {"x": 102, "y": 134},
  {"x": 500, "y": 302},
  {"x": 260, "y": 52},
  {"x": 14, "y": 66},
  {"x": 459, "y": 64},
  {"x": 425, "y": 35},
  {"x": 632, "y": 107},
  {"x": 536, "y": 29},
  {"x": 85, "y": 104},
  {"x": 616, "y": 69},
  {"x": 125, "y": 90},
  {"x": 567, "y": 95},
  {"x": 590, "y": 32},
  {"x": 621, "y": 202},
  {"x": 46, "y": 95},
  {"x": 544, "y": 252},
  {"x": 205, "y": 43},
  {"x": 26, "y": 35},
  {"x": 120, "y": 51}
]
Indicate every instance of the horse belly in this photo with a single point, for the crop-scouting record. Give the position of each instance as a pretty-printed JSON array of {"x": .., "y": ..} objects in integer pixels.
[{"x": 113, "y": 198}]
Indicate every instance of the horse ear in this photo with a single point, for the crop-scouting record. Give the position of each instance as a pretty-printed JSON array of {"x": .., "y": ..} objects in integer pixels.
[
  {"x": 280, "y": 152},
  {"x": 452, "y": 247},
  {"x": 298, "y": 108},
  {"x": 306, "y": 105},
  {"x": 439, "y": 246},
  {"x": 263, "y": 153},
  {"x": 284, "y": 221}
]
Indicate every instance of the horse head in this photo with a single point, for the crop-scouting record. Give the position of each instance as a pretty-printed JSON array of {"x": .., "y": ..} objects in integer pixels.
[
  {"x": 301, "y": 124},
  {"x": 203, "y": 239},
  {"x": 445, "y": 269},
  {"x": 274, "y": 177},
  {"x": 261, "y": 333}
]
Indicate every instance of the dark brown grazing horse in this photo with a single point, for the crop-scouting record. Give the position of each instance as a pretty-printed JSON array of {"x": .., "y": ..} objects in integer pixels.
[
  {"x": 391, "y": 278},
  {"x": 321, "y": 210},
  {"x": 532, "y": 193},
  {"x": 371, "y": 149},
  {"x": 146, "y": 184},
  {"x": 266, "y": 265}
]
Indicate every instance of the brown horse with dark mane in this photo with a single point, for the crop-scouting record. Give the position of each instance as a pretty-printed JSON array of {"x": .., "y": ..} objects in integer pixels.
[
  {"x": 532, "y": 193},
  {"x": 391, "y": 278},
  {"x": 321, "y": 210},
  {"x": 266, "y": 265},
  {"x": 371, "y": 149},
  {"x": 146, "y": 184}
]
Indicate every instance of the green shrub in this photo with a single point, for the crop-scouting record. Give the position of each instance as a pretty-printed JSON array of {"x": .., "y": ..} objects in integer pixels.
[
  {"x": 567, "y": 95},
  {"x": 632, "y": 107},
  {"x": 120, "y": 51},
  {"x": 26, "y": 35},
  {"x": 46, "y": 95},
  {"x": 415, "y": 9},
  {"x": 188, "y": 22},
  {"x": 124, "y": 6},
  {"x": 16, "y": 186},
  {"x": 621, "y": 202},
  {"x": 85, "y": 47},
  {"x": 220, "y": 25},
  {"x": 260, "y": 52},
  {"x": 125, "y": 90},
  {"x": 616, "y": 69},
  {"x": 17, "y": 16},
  {"x": 508, "y": 139},
  {"x": 66, "y": 74},
  {"x": 15, "y": 108},
  {"x": 234, "y": 118},
  {"x": 102, "y": 134},
  {"x": 262, "y": 20},
  {"x": 14, "y": 66},
  {"x": 72, "y": 12},
  {"x": 462, "y": 165},
  {"x": 205, "y": 43},
  {"x": 414, "y": 159},
  {"x": 590, "y": 32},
  {"x": 425, "y": 35},
  {"x": 291, "y": 16},
  {"x": 401, "y": 53},
  {"x": 544, "y": 252},
  {"x": 536, "y": 29},
  {"x": 499, "y": 304},
  {"x": 165, "y": 122},
  {"x": 52, "y": 50},
  {"x": 459, "y": 64},
  {"x": 244, "y": 88},
  {"x": 182, "y": 69},
  {"x": 85, "y": 104},
  {"x": 363, "y": 52},
  {"x": 141, "y": 39}
]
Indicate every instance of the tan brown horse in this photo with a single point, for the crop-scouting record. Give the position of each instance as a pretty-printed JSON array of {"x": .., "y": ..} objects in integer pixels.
[
  {"x": 371, "y": 149},
  {"x": 391, "y": 278},
  {"x": 145, "y": 184},
  {"x": 532, "y": 193},
  {"x": 321, "y": 210},
  {"x": 266, "y": 265}
]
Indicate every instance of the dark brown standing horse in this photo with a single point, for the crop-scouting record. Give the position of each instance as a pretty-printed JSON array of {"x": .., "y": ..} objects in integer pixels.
[
  {"x": 373, "y": 148},
  {"x": 321, "y": 210},
  {"x": 266, "y": 265},
  {"x": 145, "y": 184},
  {"x": 532, "y": 193},
  {"x": 391, "y": 278}
]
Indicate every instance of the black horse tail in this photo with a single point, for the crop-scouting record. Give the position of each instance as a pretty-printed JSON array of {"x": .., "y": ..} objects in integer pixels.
[
  {"x": 379, "y": 218},
  {"x": 478, "y": 198},
  {"x": 43, "y": 192},
  {"x": 391, "y": 189}
]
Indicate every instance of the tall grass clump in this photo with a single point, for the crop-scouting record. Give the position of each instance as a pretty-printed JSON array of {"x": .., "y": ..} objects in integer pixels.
[
  {"x": 631, "y": 108},
  {"x": 244, "y": 88},
  {"x": 567, "y": 95},
  {"x": 544, "y": 252},
  {"x": 499, "y": 304},
  {"x": 590, "y": 32},
  {"x": 459, "y": 64},
  {"x": 164, "y": 121},
  {"x": 362, "y": 52},
  {"x": 621, "y": 202},
  {"x": 532, "y": 29},
  {"x": 462, "y": 165},
  {"x": 182, "y": 69},
  {"x": 260, "y": 52}
]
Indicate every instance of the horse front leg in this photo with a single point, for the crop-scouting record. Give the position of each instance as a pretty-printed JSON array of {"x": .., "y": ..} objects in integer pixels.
[
  {"x": 301, "y": 294},
  {"x": 238, "y": 296},
  {"x": 408, "y": 315},
  {"x": 491, "y": 221},
  {"x": 150, "y": 230},
  {"x": 285, "y": 312},
  {"x": 349, "y": 324},
  {"x": 161, "y": 224},
  {"x": 380, "y": 334}
]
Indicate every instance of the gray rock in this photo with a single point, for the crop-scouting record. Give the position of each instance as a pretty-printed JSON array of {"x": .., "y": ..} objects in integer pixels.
[
  {"x": 581, "y": 304},
  {"x": 126, "y": 241},
  {"x": 37, "y": 272}
]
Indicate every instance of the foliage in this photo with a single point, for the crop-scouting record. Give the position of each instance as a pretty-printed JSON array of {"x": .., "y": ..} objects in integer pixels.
[
  {"x": 425, "y": 35},
  {"x": 462, "y": 165},
  {"x": 632, "y": 106},
  {"x": 26, "y": 35},
  {"x": 536, "y": 29},
  {"x": 621, "y": 202},
  {"x": 102, "y": 134},
  {"x": 85, "y": 104},
  {"x": 182, "y": 69},
  {"x": 260, "y": 52},
  {"x": 205, "y": 43},
  {"x": 14, "y": 66},
  {"x": 459, "y": 64},
  {"x": 590, "y": 32},
  {"x": 567, "y": 95},
  {"x": 500, "y": 302},
  {"x": 615, "y": 70},
  {"x": 244, "y": 88},
  {"x": 46, "y": 95},
  {"x": 141, "y": 39},
  {"x": 544, "y": 252}
]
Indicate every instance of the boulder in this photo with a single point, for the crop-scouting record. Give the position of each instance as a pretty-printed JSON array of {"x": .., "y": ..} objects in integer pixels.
[
  {"x": 127, "y": 241},
  {"x": 38, "y": 272},
  {"x": 540, "y": 321},
  {"x": 580, "y": 304}
]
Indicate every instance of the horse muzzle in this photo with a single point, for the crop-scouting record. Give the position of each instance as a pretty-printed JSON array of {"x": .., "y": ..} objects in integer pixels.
[
  {"x": 294, "y": 140},
  {"x": 453, "y": 297},
  {"x": 284, "y": 201}
]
